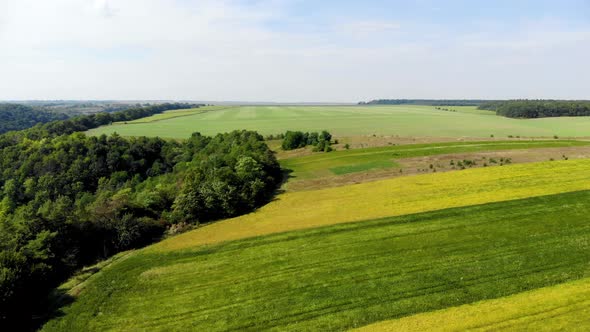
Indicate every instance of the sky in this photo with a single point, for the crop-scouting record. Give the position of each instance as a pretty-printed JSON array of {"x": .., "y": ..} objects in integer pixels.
[{"x": 293, "y": 50}]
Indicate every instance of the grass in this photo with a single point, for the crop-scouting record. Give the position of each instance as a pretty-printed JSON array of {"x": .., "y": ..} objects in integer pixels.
[
  {"x": 346, "y": 275},
  {"x": 403, "y": 120},
  {"x": 166, "y": 115},
  {"x": 393, "y": 197},
  {"x": 565, "y": 307},
  {"x": 360, "y": 160}
]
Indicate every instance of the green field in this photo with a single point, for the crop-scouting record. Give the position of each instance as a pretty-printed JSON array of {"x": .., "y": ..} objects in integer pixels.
[
  {"x": 167, "y": 115},
  {"x": 392, "y": 197},
  {"x": 355, "y": 120},
  {"x": 564, "y": 307},
  {"x": 360, "y": 160},
  {"x": 346, "y": 275},
  {"x": 420, "y": 251}
]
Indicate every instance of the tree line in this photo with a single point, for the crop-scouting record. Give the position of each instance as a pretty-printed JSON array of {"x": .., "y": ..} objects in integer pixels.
[
  {"x": 426, "y": 102},
  {"x": 86, "y": 122},
  {"x": 68, "y": 200},
  {"x": 538, "y": 108},
  {"x": 18, "y": 117}
]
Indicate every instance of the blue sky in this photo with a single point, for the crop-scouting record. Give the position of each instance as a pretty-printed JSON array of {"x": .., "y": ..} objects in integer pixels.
[{"x": 293, "y": 50}]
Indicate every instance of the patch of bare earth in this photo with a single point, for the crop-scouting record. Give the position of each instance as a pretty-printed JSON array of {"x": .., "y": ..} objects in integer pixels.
[
  {"x": 444, "y": 163},
  {"x": 370, "y": 141}
]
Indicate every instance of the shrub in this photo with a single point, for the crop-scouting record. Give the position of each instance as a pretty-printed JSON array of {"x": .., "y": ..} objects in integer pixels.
[{"x": 297, "y": 139}]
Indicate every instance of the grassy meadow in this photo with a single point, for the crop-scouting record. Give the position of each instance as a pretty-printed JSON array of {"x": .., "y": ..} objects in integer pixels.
[
  {"x": 360, "y": 160},
  {"x": 167, "y": 115},
  {"x": 393, "y": 197},
  {"x": 402, "y": 120},
  {"x": 564, "y": 307},
  {"x": 343, "y": 276}
]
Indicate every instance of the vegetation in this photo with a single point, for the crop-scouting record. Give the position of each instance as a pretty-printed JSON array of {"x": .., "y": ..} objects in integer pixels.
[
  {"x": 18, "y": 117},
  {"x": 393, "y": 197},
  {"x": 346, "y": 275},
  {"x": 538, "y": 108},
  {"x": 69, "y": 199},
  {"x": 74, "y": 107},
  {"x": 427, "y": 102},
  {"x": 402, "y": 120},
  {"x": 362, "y": 160},
  {"x": 82, "y": 123},
  {"x": 562, "y": 307},
  {"x": 298, "y": 139},
  {"x": 176, "y": 114}
]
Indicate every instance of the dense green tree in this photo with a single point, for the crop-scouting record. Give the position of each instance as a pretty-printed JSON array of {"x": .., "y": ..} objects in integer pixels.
[
  {"x": 427, "y": 102},
  {"x": 67, "y": 200},
  {"x": 538, "y": 108},
  {"x": 294, "y": 140},
  {"x": 18, "y": 117},
  {"x": 297, "y": 139}
]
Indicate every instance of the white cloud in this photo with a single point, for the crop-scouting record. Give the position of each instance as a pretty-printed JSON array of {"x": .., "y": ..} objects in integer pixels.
[
  {"x": 225, "y": 50},
  {"x": 365, "y": 28}
]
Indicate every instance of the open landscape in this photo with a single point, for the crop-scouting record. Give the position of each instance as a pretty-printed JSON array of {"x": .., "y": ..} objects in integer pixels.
[
  {"x": 361, "y": 239},
  {"x": 401, "y": 120},
  {"x": 237, "y": 165}
]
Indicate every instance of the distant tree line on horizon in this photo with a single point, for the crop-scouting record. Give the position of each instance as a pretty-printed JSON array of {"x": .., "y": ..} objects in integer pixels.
[
  {"x": 426, "y": 102},
  {"x": 518, "y": 108},
  {"x": 68, "y": 199},
  {"x": 86, "y": 122},
  {"x": 538, "y": 108}
]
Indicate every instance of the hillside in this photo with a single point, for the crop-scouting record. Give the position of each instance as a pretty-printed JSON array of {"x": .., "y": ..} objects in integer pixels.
[
  {"x": 361, "y": 254},
  {"x": 18, "y": 117},
  {"x": 231, "y": 282}
]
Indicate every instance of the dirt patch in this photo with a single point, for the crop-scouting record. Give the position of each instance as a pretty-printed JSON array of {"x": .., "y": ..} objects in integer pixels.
[
  {"x": 444, "y": 163},
  {"x": 370, "y": 141}
]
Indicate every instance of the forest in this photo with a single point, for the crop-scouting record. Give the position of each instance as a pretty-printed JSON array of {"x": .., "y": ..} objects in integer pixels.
[
  {"x": 68, "y": 200},
  {"x": 426, "y": 102},
  {"x": 537, "y": 108},
  {"x": 18, "y": 117}
]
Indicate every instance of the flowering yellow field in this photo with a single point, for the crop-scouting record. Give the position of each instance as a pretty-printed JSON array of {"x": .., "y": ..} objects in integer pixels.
[
  {"x": 557, "y": 308},
  {"x": 393, "y": 197}
]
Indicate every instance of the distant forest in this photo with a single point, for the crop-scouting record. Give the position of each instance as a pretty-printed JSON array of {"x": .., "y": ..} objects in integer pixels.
[
  {"x": 426, "y": 102},
  {"x": 18, "y": 117},
  {"x": 520, "y": 108},
  {"x": 538, "y": 108}
]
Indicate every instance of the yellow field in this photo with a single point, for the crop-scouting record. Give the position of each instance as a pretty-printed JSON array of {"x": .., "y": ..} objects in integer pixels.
[
  {"x": 561, "y": 307},
  {"x": 393, "y": 197}
]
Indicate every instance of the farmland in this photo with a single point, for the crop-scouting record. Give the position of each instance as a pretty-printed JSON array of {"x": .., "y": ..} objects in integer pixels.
[
  {"x": 566, "y": 306},
  {"x": 348, "y": 275},
  {"x": 173, "y": 114},
  {"x": 394, "y": 197},
  {"x": 359, "y": 160},
  {"x": 410, "y": 250},
  {"x": 399, "y": 120},
  {"x": 294, "y": 166}
]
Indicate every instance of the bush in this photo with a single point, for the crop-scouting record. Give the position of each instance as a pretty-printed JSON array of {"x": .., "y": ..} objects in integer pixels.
[
  {"x": 294, "y": 140},
  {"x": 298, "y": 139}
]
